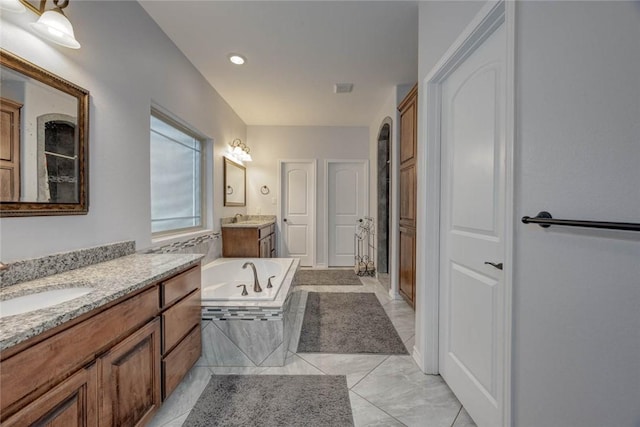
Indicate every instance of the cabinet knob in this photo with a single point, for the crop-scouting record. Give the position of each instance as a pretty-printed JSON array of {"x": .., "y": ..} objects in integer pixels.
[{"x": 285, "y": 219}]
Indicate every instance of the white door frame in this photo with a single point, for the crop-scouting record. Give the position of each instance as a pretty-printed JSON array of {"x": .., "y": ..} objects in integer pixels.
[
  {"x": 326, "y": 196},
  {"x": 426, "y": 351},
  {"x": 314, "y": 194}
]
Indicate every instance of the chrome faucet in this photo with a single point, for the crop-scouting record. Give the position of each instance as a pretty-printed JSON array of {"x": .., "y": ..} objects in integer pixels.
[
  {"x": 235, "y": 217},
  {"x": 256, "y": 284}
]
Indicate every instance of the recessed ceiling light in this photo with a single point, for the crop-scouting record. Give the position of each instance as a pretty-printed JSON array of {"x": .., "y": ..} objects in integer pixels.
[{"x": 237, "y": 59}]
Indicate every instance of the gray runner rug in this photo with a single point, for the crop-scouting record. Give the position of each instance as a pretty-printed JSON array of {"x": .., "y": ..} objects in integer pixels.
[
  {"x": 347, "y": 323},
  {"x": 327, "y": 277},
  {"x": 273, "y": 401}
]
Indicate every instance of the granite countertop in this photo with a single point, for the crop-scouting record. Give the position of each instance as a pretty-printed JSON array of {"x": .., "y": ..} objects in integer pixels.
[
  {"x": 111, "y": 280},
  {"x": 248, "y": 221}
]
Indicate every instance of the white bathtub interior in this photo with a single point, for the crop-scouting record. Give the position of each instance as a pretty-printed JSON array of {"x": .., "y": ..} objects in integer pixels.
[{"x": 221, "y": 279}]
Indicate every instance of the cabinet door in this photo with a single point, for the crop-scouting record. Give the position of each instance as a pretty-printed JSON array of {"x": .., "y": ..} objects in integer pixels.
[
  {"x": 70, "y": 404},
  {"x": 130, "y": 379},
  {"x": 273, "y": 246},
  {"x": 265, "y": 247},
  {"x": 240, "y": 242},
  {"x": 408, "y": 264},
  {"x": 408, "y": 124},
  {"x": 408, "y": 195}
]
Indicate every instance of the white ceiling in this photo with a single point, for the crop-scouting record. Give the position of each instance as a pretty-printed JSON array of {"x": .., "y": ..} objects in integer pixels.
[{"x": 296, "y": 51}]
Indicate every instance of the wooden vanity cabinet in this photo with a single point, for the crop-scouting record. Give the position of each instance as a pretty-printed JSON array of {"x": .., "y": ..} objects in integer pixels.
[
  {"x": 249, "y": 242},
  {"x": 108, "y": 367}
]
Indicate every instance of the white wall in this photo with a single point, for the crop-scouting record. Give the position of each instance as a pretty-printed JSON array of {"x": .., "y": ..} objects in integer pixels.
[
  {"x": 126, "y": 62},
  {"x": 576, "y": 293},
  {"x": 271, "y": 143}
]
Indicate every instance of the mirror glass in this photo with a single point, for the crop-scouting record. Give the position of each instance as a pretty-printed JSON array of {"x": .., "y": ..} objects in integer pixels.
[
  {"x": 43, "y": 141},
  {"x": 234, "y": 184}
]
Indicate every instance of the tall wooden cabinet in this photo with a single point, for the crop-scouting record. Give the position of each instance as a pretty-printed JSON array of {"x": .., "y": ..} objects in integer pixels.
[{"x": 408, "y": 182}]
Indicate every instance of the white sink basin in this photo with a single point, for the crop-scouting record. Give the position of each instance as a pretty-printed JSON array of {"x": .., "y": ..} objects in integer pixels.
[{"x": 37, "y": 301}]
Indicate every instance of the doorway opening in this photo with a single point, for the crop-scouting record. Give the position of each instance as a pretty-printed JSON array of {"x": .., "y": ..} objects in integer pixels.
[{"x": 384, "y": 196}]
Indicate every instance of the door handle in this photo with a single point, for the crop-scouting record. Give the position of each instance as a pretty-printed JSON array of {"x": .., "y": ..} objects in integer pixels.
[{"x": 493, "y": 264}]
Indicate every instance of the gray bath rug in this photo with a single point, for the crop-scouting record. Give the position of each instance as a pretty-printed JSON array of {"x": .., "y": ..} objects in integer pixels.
[
  {"x": 273, "y": 401},
  {"x": 347, "y": 323},
  {"x": 327, "y": 277}
]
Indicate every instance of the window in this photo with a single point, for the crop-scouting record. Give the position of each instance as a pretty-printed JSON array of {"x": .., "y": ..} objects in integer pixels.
[{"x": 176, "y": 176}]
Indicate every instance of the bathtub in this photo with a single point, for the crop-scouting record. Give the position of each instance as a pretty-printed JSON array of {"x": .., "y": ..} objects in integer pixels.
[
  {"x": 252, "y": 330},
  {"x": 221, "y": 278}
]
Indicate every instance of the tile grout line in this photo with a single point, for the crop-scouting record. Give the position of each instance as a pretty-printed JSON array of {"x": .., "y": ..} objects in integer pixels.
[
  {"x": 369, "y": 373},
  {"x": 457, "y": 415},
  {"x": 375, "y": 406},
  {"x": 239, "y": 349}
]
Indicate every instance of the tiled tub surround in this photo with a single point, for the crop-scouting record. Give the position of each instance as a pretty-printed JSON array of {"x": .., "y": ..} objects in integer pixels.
[
  {"x": 32, "y": 269},
  {"x": 250, "y": 333},
  {"x": 110, "y": 281}
]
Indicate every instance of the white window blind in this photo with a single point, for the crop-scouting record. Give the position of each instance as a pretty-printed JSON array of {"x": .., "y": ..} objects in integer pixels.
[{"x": 176, "y": 177}]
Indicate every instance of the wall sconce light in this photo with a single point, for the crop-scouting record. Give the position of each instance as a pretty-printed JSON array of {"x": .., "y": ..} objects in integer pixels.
[
  {"x": 12, "y": 6},
  {"x": 54, "y": 26},
  {"x": 239, "y": 150}
]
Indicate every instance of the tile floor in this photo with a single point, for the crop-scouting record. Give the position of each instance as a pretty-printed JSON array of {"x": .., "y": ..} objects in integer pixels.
[{"x": 384, "y": 390}]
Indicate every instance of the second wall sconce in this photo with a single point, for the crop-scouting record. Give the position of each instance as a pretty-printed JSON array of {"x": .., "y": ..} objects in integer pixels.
[{"x": 239, "y": 150}]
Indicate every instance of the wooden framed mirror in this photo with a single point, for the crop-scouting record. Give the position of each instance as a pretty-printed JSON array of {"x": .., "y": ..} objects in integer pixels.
[
  {"x": 235, "y": 184},
  {"x": 44, "y": 142}
]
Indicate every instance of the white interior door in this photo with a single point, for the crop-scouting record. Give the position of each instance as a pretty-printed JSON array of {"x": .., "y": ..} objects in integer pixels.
[
  {"x": 473, "y": 114},
  {"x": 298, "y": 184},
  {"x": 347, "y": 204}
]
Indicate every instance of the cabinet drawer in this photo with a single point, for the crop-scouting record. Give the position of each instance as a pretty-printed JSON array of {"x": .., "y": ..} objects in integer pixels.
[
  {"x": 177, "y": 363},
  {"x": 264, "y": 232},
  {"x": 180, "y": 285},
  {"x": 68, "y": 350},
  {"x": 179, "y": 319}
]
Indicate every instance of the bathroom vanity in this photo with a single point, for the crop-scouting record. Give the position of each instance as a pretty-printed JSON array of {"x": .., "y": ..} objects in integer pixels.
[
  {"x": 249, "y": 237},
  {"x": 108, "y": 358}
]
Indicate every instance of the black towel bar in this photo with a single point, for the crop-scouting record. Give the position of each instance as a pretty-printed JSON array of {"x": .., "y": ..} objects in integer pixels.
[{"x": 545, "y": 220}]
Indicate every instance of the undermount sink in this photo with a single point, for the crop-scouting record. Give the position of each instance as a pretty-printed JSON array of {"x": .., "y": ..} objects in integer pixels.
[{"x": 40, "y": 300}]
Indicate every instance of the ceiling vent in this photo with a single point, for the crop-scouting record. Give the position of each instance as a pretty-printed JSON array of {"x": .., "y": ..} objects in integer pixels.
[{"x": 343, "y": 88}]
